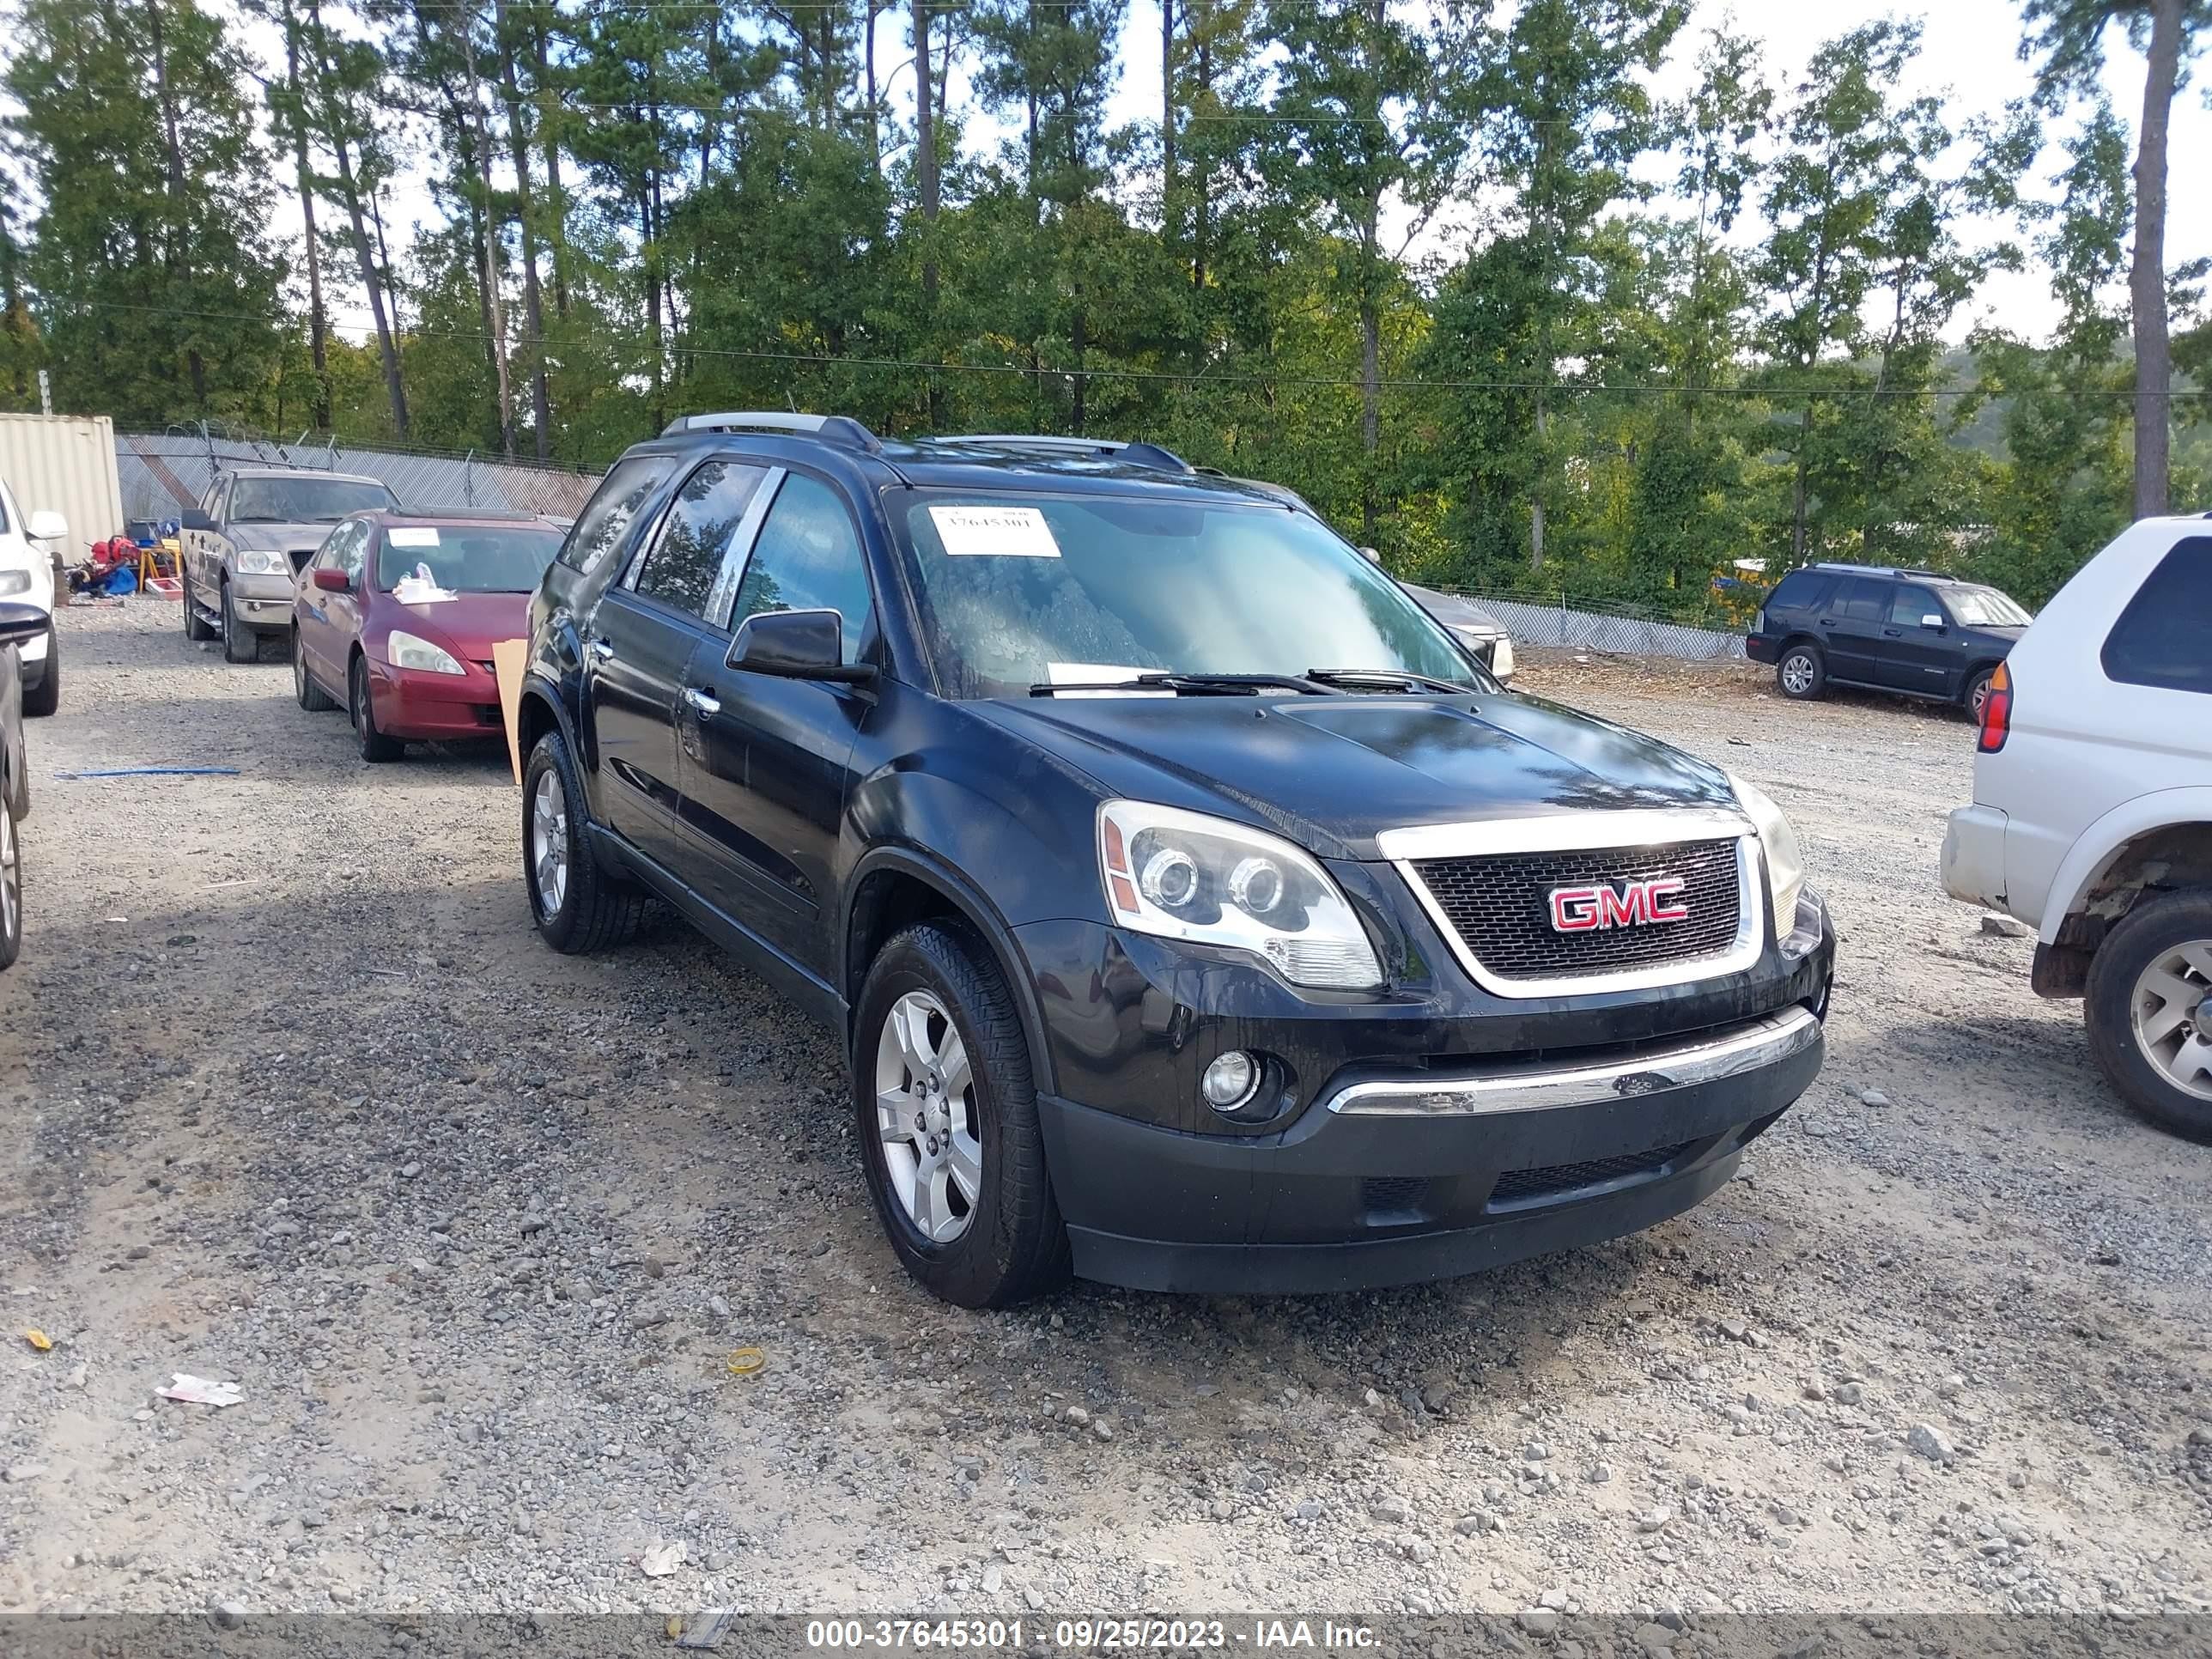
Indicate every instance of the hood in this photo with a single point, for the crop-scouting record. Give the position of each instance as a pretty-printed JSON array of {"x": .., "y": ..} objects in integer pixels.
[
  {"x": 2003, "y": 634},
  {"x": 1333, "y": 772},
  {"x": 279, "y": 538},
  {"x": 470, "y": 623},
  {"x": 1461, "y": 616}
]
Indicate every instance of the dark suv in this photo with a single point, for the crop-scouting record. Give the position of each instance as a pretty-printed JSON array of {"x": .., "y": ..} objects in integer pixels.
[
  {"x": 1914, "y": 632},
  {"x": 1194, "y": 911}
]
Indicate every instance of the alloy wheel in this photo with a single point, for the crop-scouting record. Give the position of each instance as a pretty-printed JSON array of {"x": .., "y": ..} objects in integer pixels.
[
  {"x": 925, "y": 1112},
  {"x": 11, "y": 875},
  {"x": 1797, "y": 675},
  {"x": 2170, "y": 1015},
  {"x": 549, "y": 842}
]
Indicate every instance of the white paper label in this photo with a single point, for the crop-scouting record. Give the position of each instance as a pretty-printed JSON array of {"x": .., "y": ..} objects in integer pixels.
[
  {"x": 412, "y": 535},
  {"x": 999, "y": 532}
]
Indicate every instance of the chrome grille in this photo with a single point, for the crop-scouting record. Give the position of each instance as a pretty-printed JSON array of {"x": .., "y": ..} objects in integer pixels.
[{"x": 1499, "y": 904}]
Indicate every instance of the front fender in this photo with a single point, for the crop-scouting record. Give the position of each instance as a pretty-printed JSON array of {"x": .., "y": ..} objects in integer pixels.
[{"x": 2094, "y": 847}]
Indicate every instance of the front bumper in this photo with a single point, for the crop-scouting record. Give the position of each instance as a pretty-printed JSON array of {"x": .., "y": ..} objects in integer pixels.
[
  {"x": 1431, "y": 1130},
  {"x": 427, "y": 707},
  {"x": 262, "y": 601}
]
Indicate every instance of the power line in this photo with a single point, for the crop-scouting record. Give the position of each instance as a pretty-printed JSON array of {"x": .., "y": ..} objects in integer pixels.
[{"x": 1185, "y": 377}]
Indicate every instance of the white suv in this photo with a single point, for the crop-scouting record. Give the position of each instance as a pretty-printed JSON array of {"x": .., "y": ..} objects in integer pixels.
[
  {"x": 26, "y": 577},
  {"x": 2091, "y": 819}
]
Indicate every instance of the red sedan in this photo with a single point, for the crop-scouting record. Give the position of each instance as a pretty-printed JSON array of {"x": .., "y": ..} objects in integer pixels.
[{"x": 396, "y": 615}]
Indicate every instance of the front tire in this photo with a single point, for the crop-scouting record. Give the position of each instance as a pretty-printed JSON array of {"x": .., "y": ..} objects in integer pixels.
[
  {"x": 312, "y": 697},
  {"x": 47, "y": 698},
  {"x": 375, "y": 747},
  {"x": 1801, "y": 674},
  {"x": 11, "y": 886},
  {"x": 578, "y": 907},
  {"x": 2149, "y": 1011},
  {"x": 240, "y": 643},
  {"x": 947, "y": 1117}
]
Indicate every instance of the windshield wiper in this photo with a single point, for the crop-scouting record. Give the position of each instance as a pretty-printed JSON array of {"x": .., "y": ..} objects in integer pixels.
[
  {"x": 1197, "y": 686},
  {"x": 1398, "y": 677}
]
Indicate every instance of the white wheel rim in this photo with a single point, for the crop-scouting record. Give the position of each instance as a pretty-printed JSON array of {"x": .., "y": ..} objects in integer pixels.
[
  {"x": 1797, "y": 674},
  {"x": 925, "y": 1114},
  {"x": 2170, "y": 1015},
  {"x": 549, "y": 842},
  {"x": 11, "y": 875}
]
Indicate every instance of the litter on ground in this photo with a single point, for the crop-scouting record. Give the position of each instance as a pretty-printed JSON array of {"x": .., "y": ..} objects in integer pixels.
[{"x": 199, "y": 1391}]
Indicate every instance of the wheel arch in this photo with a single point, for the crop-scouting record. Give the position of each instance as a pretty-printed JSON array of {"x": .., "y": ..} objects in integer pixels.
[
  {"x": 2155, "y": 843},
  {"x": 892, "y": 887}
]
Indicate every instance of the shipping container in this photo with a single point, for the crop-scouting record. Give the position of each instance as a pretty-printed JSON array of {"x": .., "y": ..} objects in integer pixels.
[{"x": 65, "y": 463}]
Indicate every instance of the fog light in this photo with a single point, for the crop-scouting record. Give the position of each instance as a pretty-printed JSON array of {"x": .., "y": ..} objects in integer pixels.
[{"x": 1229, "y": 1082}]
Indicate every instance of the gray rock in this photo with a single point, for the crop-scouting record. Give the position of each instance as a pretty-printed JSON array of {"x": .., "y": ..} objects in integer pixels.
[
  {"x": 227, "y": 1615},
  {"x": 1655, "y": 1639},
  {"x": 1537, "y": 1621},
  {"x": 1535, "y": 1451},
  {"x": 1873, "y": 1097},
  {"x": 2004, "y": 928},
  {"x": 1654, "y": 1520},
  {"x": 23, "y": 1474},
  {"x": 408, "y": 1171},
  {"x": 1469, "y": 1526},
  {"x": 1928, "y": 1441},
  {"x": 1394, "y": 1512},
  {"x": 1598, "y": 1474}
]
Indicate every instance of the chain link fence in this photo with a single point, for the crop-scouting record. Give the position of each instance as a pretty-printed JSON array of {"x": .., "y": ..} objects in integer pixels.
[
  {"x": 1558, "y": 618},
  {"x": 163, "y": 473}
]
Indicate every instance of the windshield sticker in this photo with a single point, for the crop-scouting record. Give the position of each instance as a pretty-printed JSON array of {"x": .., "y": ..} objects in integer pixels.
[
  {"x": 412, "y": 535},
  {"x": 1101, "y": 673},
  {"x": 998, "y": 532}
]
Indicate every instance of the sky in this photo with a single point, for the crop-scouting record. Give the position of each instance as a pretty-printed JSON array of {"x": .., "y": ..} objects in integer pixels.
[{"x": 1969, "y": 50}]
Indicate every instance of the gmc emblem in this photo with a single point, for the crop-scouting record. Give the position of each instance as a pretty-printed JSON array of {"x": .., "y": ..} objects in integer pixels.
[{"x": 1631, "y": 905}]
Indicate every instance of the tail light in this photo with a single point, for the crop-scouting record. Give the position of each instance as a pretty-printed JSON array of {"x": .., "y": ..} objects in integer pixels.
[
  {"x": 1996, "y": 712},
  {"x": 1759, "y": 625}
]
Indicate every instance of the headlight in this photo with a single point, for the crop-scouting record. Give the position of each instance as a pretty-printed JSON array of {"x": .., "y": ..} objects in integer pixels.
[
  {"x": 1786, "y": 863},
  {"x": 14, "y": 581},
  {"x": 263, "y": 562},
  {"x": 405, "y": 650},
  {"x": 1183, "y": 875},
  {"x": 1501, "y": 660}
]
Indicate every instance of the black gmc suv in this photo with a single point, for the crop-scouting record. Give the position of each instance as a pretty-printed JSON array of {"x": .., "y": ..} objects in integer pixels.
[
  {"x": 1915, "y": 632},
  {"x": 1196, "y": 913}
]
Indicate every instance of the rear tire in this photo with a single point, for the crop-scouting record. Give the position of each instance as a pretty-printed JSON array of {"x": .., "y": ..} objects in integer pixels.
[
  {"x": 2145, "y": 1029},
  {"x": 1801, "y": 672},
  {"x": 1978, "y": 693},
  {"x": 579, "y": 908},
  {"x": 312, "y": 697},
  {"x": 195, "y": 626},
  {"x": 240, "y": 643},
  {"x": 47, "y": 697},
  {"x": 375, "y": 747},
  {"x": 961, "y": 1080}
]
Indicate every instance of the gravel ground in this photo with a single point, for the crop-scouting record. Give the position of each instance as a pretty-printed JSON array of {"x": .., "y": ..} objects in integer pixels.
[{"x": 297, "y": 1099}]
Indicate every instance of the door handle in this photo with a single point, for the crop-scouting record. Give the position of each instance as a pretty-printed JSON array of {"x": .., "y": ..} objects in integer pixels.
[
  {"x": 705, "y": 701},
  {"x": 1892, "y": 633},
  {"x": 1827, "y": 622},
  {"x": 604, "y": 650}
]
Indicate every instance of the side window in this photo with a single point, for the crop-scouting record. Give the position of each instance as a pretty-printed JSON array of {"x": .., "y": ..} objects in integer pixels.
[
  {"x": 2164, "y": 638},
  {"x": 326, "y": 555},
  {"x": 353, "y": 555},
  {"x": 807, "y": 557},
  {"x": 1911, "y": 605},
  {"x": 683, "y": 568},
  {"x": 7, "y": 509},
  {"x": 1801, "y": 590},
  {"x": 1865, "y": 601},
  {"x": 604, "y": 523}
]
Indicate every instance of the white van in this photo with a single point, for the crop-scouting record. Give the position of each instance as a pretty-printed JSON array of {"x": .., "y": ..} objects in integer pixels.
[
  {"x": 2091, "y": 819},
  {"x": 26, "y": 577}
]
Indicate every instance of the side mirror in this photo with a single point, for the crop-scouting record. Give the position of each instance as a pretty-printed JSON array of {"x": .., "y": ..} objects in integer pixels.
[
  {"x": 1931, "y": 620},
  {"x": 331, "y": 580},
  {"x": 47, "y": 526},
  {"x": 21, "y": 623},
  {"x": 797, "y": 645},
  {"x": 193, "y": 519}
]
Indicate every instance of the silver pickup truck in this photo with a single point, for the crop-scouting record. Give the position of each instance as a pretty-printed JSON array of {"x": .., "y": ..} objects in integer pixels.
[{"x": 246, "y": 542}]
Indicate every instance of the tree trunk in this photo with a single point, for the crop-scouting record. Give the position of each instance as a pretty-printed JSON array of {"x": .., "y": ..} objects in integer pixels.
[
  {"x": 1202, "y": 213},
  {"x": 533, "y": 308},
  {"x": 2147, "y": 274},
  {"x": 496, "y": 305},
  {"x": 556, "y": 205},
  {"x": 1170, "y": 222},
  {"x": 317, "y": 318},
  {"x": 177, "y": 242},
  {"x": 1798, "y": 486},
  {"x": 925, "y": 159}
]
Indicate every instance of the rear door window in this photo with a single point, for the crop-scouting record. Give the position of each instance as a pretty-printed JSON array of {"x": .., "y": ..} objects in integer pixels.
[
  {"x": 2164, "y": 638},
  {"x": 602, "y": 528},
  {"x": 1865, "y": 601}
]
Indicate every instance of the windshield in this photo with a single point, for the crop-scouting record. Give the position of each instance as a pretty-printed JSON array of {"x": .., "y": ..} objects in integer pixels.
[
  {"x": 468, "y": 558},
  {"x": 304, "y": 500},
  {"x": 1019, "y": 590},
  {"x": 1985, "y": 607}
]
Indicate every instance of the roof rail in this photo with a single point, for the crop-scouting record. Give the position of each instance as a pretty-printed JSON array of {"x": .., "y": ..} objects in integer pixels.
[
  {"x": 1880, "y": 570},
  {"x": 839, "y": 429},
  {"x": 1135, "y": 454}
]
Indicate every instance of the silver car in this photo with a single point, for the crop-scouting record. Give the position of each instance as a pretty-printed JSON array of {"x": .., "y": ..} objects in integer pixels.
[
  {"x": 246, "y": 542},
  {"x": 1472, "y": 626}
]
